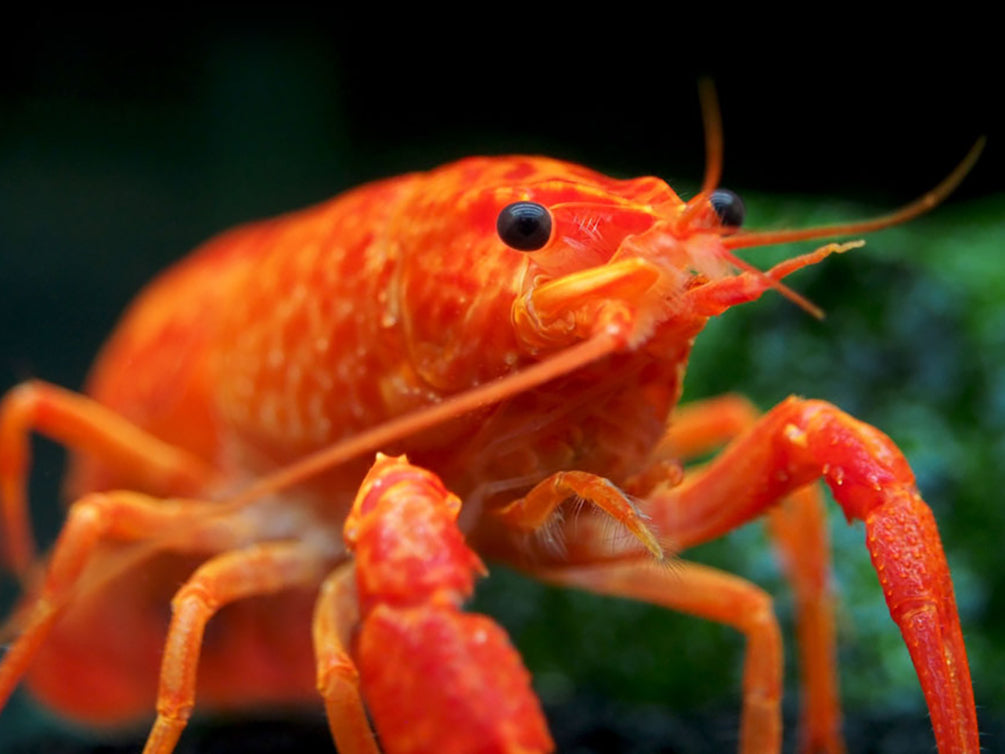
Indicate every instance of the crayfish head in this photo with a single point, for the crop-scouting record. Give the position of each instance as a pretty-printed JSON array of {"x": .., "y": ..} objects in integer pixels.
[{"x": 632, "y": 266}]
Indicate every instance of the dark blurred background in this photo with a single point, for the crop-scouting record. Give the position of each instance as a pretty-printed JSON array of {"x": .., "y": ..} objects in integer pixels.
[{"x": 125, "y": 141}]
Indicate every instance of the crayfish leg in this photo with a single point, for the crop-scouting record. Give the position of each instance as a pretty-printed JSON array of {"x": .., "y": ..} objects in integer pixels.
[
  {"x": 798, "y": 442},
  {"x": 94, "y": 520},
  {"x": 798, "y": 530},
  {"x": 533, "y": 512},
  {"x": 259, "y": 569},
  {"x": 708, "y": 593},
  {"x": 85, "y": 425},
  {"x": 335, "y": 615}
]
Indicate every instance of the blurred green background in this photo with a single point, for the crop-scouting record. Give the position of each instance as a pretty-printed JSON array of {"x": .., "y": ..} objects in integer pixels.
[{"x": 122, "y": 145}]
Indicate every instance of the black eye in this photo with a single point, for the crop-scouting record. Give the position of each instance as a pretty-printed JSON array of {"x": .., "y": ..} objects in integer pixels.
[
  {"x": 728, "y": 207},
  {"x": 524, "y": 226}
]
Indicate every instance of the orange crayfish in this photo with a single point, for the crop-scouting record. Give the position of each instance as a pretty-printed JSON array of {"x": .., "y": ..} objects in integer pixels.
[{"x": 520, "y": 328}]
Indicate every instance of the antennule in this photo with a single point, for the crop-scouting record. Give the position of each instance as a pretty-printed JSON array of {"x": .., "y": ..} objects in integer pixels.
[{"x": 712, "y": 118}]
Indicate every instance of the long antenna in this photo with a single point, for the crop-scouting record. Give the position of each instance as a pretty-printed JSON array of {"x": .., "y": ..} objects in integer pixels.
[
  {"x": 375, "y": 438},
  {"x": 919, "y": 206}
]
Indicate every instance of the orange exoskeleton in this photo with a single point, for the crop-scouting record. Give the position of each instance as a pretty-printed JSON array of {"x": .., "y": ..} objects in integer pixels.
[{"x": 520, "y": 327}]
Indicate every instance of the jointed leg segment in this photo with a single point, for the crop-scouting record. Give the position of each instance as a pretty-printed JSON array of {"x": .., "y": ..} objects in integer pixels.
[
  {"x": 84, "y": 425},
  {"x": 712, "y": 594},
  {"x": 800, "y": 441},
  {"x": 335, "y": 614},
  {"x": 798, "y": 529},
  {"x": 100, "y": 518},
  {"x": 532, "y": 512},
  {"x": 257, "y": 570}
]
